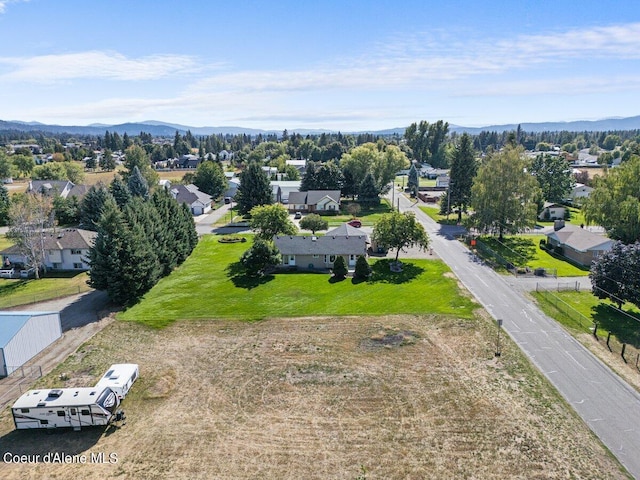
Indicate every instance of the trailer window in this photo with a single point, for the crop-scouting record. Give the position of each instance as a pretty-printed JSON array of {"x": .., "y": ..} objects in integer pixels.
[
  {"x": 73, "y": 411},
  {"x": 61, "y": 413},
  {"x": 24, "y": 410},
  {"x": 85, "y": 412},
  {"x": 44, "y": 422}
]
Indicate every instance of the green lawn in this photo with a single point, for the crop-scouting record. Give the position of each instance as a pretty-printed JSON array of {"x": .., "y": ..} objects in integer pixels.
[
  {"x": 575, "y": 218},
  {"x": 210, "y": 285},
  {"x": 21, "y": 292},
  {"x": 434, "y": 213},
  {"x": 626, "y": 328},
  {"x": 368, "y": 215},
  {"x": 524, "y": 251},
  {"x": 5, "y": 242}
]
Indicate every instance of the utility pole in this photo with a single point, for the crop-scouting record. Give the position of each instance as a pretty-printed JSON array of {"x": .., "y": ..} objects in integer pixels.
[{"x": 498, "y": 351}]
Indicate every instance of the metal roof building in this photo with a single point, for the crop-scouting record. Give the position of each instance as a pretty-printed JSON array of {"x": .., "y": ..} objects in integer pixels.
[{"x": 25, "y": 334}]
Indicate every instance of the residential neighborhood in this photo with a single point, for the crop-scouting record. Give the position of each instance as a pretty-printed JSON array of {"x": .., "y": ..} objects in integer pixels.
[{"x": 319, "y": 240}]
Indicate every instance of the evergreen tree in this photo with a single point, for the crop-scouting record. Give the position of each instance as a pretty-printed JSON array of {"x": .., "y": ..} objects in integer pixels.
[
  {"x": 66, "y": 210},
  {"x": 340, "y": 267},
  {"x": 412, "y": 181},
  {"x": 104, "y": 256},
  {"x": 5, "y": 203},
  {"x": 254, "y": 189},
  {"x": 349, "y": 186},
  {"x": 363, "y": 269},
  {"x": 368, "y": 190},
  {"x": 120, "y": 191},
  {"x": 137, "y": 184},
  {"x": 107, "y": 163},
  {"x": 91, "y": 163},
  {"x": 308, "y": 179},
  {"x": 461, "y": 176},
  {"x": 92, "y": 206}
]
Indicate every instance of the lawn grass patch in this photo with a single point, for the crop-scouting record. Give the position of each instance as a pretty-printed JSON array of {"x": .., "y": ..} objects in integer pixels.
[
  {"x": 369, "y": 214},
  {"x": 524, "y": 251},
  {"x": 576, "y": 217},
  {"x": 15, "y": 292},
  {"x": 624, "y": 327},
  {"x": 210, "y": 285},
  {"x": 5, "y": 242},
  {"x": 434, "y": 214}
]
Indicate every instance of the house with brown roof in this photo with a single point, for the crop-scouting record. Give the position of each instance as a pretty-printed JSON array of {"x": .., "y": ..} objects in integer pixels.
[
  {"x": 66, "y": 249},
  {"x": 319, "y": 252},
  {"x": 578, "y": 244}
]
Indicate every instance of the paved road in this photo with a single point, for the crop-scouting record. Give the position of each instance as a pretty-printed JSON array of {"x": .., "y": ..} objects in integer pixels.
[{"x": 605, "y": 402}]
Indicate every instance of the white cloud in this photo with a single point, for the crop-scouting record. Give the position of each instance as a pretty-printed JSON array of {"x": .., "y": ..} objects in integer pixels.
[
  {"x": 95, "y": 65},
  {"x": 4, "y": 3}
]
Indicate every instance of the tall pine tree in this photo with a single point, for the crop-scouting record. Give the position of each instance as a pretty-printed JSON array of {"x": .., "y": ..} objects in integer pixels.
[{"x": 254, "y": 189}]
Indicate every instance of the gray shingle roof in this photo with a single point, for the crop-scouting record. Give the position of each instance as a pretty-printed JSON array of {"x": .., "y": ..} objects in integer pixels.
[
  {"x": 189, "y": 194},
  {"x": 580, "y": 239},
  {"x": 73, "y": 238},
  {"x": 325, "y": 245}
]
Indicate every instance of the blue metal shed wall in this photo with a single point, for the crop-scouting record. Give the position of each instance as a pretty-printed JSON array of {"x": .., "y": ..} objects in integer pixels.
[{"x": 38, "y": 332}]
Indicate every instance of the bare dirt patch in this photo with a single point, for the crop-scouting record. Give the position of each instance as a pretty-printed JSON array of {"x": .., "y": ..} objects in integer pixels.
[{"x": 319, "y": 398}]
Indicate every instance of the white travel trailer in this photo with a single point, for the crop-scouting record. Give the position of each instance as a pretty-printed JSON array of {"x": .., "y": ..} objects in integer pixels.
[
  {"x": 66, "y": 407},
  {"x": 119, "y": 378}
]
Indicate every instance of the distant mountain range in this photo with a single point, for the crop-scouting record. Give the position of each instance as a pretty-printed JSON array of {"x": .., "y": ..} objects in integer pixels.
[{"x": 163, "y": 129}]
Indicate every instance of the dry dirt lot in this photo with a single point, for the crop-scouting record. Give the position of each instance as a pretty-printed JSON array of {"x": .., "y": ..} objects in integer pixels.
[{"x": 378, "y": 398}]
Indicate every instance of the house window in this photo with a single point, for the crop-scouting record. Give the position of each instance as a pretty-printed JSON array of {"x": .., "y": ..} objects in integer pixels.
[
  {"x": 56, "y": 266},
  {"x": 352, "y": 258},
  {"x": 76, "y": 252},
  {"x": 332, "y": 258},
  {"x": 77, "y": 266}
]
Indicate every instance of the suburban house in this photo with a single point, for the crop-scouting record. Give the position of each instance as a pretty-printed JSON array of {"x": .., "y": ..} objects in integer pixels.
[
  {"x": 66, "y": 249},
  {"x": 197, "y": 201},
  {"x": 552, "y": 211},
  {"x": 315, "y": 201},
  {"x": 282, "y": 189},
  {"x": 442, "y": 181},
  {"x": 580, "y": 191},
  {"x": 232, "y": 186},
  {"x": 578, "y": 244},
  {"x": 319, "y": 252},
  {"x": 299, "y": 164},
  {"x": 62, "y": 188},
  {"x": 189, "y": 161}
]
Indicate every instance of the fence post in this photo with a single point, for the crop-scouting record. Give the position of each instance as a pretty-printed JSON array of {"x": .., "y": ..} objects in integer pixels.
[
  {"x": 637, "y": 358},
  {"x": 595, "y": 329},
  {"x": 624, "y": 347},
  {"x": 608, "y": 337}
]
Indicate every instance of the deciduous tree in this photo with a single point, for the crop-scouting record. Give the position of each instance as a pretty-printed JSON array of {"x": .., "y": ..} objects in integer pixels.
[
  {"x": 554, "y": 176},
  {"x": 400, "y": 230},
  {"x": 210, "y": 178},
  {"x": 271, "y": 220},
  {"x": 259, "y": 257},
  {"x": 504, "y": 194},
  {"x": 614, "y": 202},
  {"x": 29, "y": 216},
  {"x": 314, "y": 222}
]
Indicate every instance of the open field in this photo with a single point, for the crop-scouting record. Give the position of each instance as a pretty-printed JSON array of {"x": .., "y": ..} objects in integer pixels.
[
  {"x": 368, "y": 214},
  {"x": 15, "y": 292},
  {"x": 210, "y": 285},
  {"x": 404, "y": 397},
  {"x": 525, "y": 251}
]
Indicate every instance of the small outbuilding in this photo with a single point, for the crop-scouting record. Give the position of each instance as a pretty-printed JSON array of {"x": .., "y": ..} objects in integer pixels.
[{"x": 25, "y": 334}]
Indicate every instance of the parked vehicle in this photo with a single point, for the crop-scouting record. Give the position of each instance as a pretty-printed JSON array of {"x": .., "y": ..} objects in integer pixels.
[
  {"x": 298, "y": 215},
  {"x": 355, "y": 223}
]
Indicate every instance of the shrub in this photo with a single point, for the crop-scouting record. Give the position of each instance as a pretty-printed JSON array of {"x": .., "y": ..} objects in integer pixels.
[
  {"x": 363, "y": 269},
  {"x": 340, "y": 267}
]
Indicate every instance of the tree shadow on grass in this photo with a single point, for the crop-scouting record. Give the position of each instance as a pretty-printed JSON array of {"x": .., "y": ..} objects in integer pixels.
[
  {"x": 516, "y": 250},
  {"x": 12, "y": 286},
  {"x": 241, "y": 279},
  {"x": 381, "y": 272},
  {"x": 334, "y": 279},
  {"x": 626, "y": 328}
]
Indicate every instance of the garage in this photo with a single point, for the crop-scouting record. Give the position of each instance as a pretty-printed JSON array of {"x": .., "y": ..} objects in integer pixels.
[{"x": 25, "y": 334}]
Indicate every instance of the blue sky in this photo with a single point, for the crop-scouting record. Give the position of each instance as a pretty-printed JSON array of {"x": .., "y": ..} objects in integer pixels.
[{"x": 343, "y": 65}]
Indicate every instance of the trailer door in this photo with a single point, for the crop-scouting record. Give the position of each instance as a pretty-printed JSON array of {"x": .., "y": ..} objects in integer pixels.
[{"x": 73, "y": 417}]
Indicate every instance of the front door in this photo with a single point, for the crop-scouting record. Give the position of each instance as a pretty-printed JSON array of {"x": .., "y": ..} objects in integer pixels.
[{"x": 292, "y": 260}]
